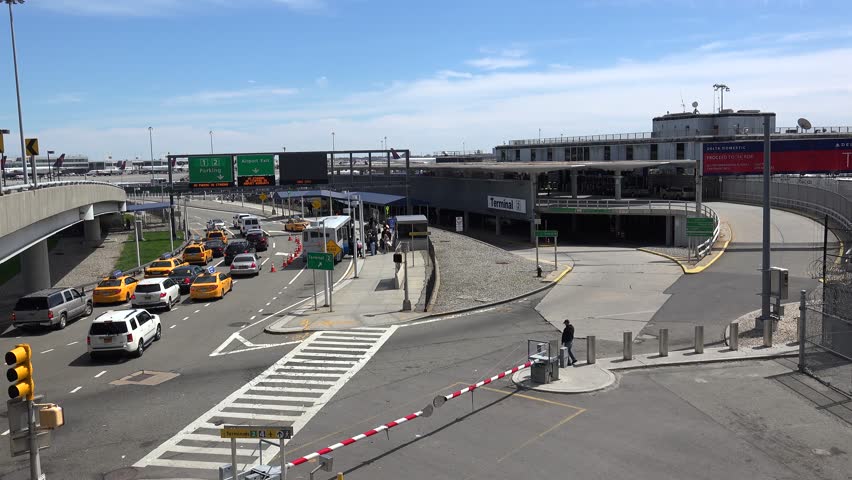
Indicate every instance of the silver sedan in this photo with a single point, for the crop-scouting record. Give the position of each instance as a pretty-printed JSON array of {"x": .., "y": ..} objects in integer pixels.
[{"x": 245, "y": 264}]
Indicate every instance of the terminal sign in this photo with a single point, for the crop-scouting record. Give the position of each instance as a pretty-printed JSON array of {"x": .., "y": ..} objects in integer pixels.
[
  {"x": 517, "y": 205},
  {"x": 255, "y": 170},
  {"x": 214, "y": 171}
]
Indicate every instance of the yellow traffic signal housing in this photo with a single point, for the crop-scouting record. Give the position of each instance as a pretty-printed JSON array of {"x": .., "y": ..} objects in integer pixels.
[
  {"x": 50, "y": 416},
  {"x": 21, "y": 373}
]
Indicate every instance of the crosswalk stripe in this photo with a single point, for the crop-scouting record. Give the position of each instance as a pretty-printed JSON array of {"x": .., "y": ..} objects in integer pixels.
[{"x": 297, "y": 387}]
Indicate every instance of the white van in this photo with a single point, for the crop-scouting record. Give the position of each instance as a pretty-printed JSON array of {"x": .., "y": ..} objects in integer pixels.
[{"x": 248, "y": 223}]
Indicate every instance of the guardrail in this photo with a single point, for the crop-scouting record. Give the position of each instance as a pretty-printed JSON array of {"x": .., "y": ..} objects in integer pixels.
[
  {"x": 662, "y": 207},
  {"x": 28, "y": 186},
  {"x": 792, "y": 204}
]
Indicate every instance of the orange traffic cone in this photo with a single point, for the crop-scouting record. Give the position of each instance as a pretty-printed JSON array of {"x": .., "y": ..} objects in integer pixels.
[{"x": 272, "y": 269}]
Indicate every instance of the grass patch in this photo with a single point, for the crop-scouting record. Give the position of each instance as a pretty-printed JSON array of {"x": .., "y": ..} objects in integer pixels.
[{"x": 155, "y": 244}]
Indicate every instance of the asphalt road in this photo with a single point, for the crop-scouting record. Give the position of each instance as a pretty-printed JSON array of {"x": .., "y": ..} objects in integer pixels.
[{"x": 111, "y": 426}]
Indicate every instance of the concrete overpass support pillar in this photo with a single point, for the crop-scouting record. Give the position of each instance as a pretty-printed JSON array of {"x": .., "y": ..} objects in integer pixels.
[
  {"x": 574, "y": 175},
  {"x": 497, "y": 225},
  {"x": 618, "y": 178},
  {"x": 618, "y": 226},
  {"x": 35, "y": 267},
  {"x": 669, "y": 237},
  {"x": 92, "y": 230}
]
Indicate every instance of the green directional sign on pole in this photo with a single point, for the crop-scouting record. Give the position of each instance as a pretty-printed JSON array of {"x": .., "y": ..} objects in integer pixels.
[
  {"x": 255, "y": 170},
  {"x": 699, "y": 227},
  {"x": 320, "y": 261},
  {"x": 213, "y": 171},
  {"x": 546, "y": 233}
]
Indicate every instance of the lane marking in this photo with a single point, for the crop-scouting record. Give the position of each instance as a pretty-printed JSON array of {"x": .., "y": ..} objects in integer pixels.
[
  {"x": 173, "y": 326},
  {"x": 46, "y": 351},
  {"x": 185, "y": 318},
  {"x": 196, "y": 311},
  {"x": 253, "y": 317},
  {"x": 176, "y": 309},
  {"x": 102, "y": 372},
  {"x": 275, "y": 298},
  {"x": 220, "y": 263},
  {"x": 76, "y": 390},
  {"x": 206, "y": 304},
  {"x": 4, "y": 433},
  {"x": 267, "y": 303},
  {"x": 297, "y": 276},
  {"x": 264, "y": 261},
  {"x": 260, "y": 311},
  {"x": 72, "y": 343},
  {"x": 273, "y": 244}
]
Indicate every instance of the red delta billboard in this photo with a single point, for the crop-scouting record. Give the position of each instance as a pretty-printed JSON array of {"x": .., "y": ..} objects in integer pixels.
[{"x": 788, "y": 156}]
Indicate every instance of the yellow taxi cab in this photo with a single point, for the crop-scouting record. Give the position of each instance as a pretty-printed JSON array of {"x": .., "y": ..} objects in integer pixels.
[
  {"x": 217, "y": 235},
  {"x": 163, "y": 266},
  {"x": 296, "y": 224},
  {"x": 197, "y": 254},
  {"x": 115, "y": 288},
  {"x": 211, "y": 285}
]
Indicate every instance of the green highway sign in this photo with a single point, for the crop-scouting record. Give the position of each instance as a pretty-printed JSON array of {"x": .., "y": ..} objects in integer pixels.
[
  {"x": 213, "y": 171},
  {"x": 546, "y": 233},
  {"x": 256, "y": 170},
  {"x": 699, "y": 226},
  {"x": 320, "y": 261}
]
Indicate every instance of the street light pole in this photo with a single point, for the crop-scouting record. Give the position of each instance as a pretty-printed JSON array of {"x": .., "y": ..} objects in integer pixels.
[
  {"x": 49, "y": 166},
  {"x": 18, "y": 89},
  {"x": 211, "y": 141},
  {"x": 151, "y": 144},
  {"x": 767, "y": 176}
]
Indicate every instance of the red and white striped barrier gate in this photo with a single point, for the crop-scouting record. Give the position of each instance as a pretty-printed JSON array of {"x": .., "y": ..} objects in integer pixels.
[
  {"x": 369, "y": 433},
  {"x": 442, "y": 399}
]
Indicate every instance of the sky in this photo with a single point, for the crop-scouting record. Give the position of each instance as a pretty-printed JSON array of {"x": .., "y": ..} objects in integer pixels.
[{"x": 429, "y": 76}]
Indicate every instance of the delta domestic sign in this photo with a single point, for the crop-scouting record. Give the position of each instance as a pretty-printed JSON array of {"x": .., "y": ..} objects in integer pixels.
[
  {"x": 788, "y": 156},
  {"x": 517, "y": 205}
]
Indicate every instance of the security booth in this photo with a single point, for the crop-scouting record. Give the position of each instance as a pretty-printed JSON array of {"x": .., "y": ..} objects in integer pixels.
[
  {"x": 544, "y": 356},
  {"x": 412, "y": 229}
]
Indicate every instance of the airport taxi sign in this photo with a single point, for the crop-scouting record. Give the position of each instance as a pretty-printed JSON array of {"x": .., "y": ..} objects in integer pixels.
[
  {"x": 320, "y": 261},
  {"x": 212, "y": 171}
]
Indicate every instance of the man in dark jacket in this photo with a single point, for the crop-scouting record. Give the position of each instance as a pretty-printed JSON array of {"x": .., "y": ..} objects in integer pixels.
[{"x": 568, "y": 341}]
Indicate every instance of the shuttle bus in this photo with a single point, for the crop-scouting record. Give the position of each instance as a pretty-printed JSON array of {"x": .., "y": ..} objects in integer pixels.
[{"x": 336, "y": 229}]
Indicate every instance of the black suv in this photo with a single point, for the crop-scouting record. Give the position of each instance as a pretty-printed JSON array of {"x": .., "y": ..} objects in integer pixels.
[{"x": 237, "y": 247}]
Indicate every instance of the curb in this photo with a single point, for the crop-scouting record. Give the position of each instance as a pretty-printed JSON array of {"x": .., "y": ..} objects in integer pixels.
[
  {"x": 711, "y": 360},
  {"x": 692, "y": 270},
  {"x": 525, "y": 383}
]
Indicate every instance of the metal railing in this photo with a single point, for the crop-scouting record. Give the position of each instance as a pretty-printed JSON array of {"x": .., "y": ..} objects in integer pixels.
[
  {"x": 792, "y": 204},
  {"x": 62, "y": 183},
  {"x": 676, "y": 132},
  {"x": 658, "y": 207}
]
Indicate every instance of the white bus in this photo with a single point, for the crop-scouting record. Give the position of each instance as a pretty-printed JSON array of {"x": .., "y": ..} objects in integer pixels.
[{"x": 336, "y": 230}]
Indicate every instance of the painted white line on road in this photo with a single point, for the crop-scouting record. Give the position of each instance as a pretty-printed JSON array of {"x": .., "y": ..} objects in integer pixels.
[
  {"x": 196, "y": 311},
  {"x": 72, "y": 343},
  {"x": 46, "y": 351},
  {"x": 173, "y": 326},
  {"x": 102, "y": 372},
  {"x": 267, "y": 303},
  {"x": 297, "y": 276},
  {"x": 185, "y": 318},
  {"x": 4, "y": 433},
  {"x": 253, "y": 317},
  {"x": 449, "y": 317},
  {"x": 273, "y": 243},
  {"x": 220, "y": 262},
  {"x": 236, "y": 282},
  {"x": 260, "y": 311},
  {"x": 275, "y": 298},
  {"x": 206, "y": 304},
  {"x": 263, "y": 262},
  {"x": 176, "y": 309},
  {"x": 75, "y": 390}
]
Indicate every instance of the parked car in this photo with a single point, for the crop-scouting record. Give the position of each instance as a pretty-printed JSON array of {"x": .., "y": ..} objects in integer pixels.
[
  {"x": 123, "y": 331},
  {"x": 51, "y": 307},
  {"x": 259, "y": 239},
  {"x": 156, "y": 293},
  {"x": 235, "y": 248},
  {"x": 184, "y": 276},
  {"x": 245, "y": 264},
  {"x": 211, "y": 285},
  {"x": 215, "y": 246}
]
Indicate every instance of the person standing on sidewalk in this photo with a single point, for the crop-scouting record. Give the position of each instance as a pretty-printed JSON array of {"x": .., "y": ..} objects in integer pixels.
[{"x": 568, "y": 341}]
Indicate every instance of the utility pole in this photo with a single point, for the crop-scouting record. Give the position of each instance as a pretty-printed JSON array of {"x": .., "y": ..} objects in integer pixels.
[{"x": 767, "y": 177}]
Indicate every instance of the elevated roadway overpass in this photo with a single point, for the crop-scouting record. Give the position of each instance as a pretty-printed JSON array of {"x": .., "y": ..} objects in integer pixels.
[{"x": 29, "y": 216}]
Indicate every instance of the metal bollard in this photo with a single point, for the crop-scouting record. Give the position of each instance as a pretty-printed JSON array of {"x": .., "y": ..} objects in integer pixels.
[
  {"x": 734, "y": 341},
  {"x": 803, "y": 325},
  {"x": 590, "y": 349},
  {"x": 664, "y": 342},
  {"x": 340, "y": 476},
  {"x": 767, "y": 332},
  {"x": 628, "y": 345},
  {"x": 699, "y": 339}
]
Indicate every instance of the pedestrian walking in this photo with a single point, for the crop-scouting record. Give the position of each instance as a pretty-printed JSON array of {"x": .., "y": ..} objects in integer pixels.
[
  {"x": 568, "y": 341},
  {"x": 360, "y": 247}
]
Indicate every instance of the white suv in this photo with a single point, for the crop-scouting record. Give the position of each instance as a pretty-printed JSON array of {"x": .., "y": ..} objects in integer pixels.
[
  {"x": 156, "y": 292},
  {"x": 123, "y": 331},
  {"x": 238, "y": 217},
  {"x": 249, "y": 223}
]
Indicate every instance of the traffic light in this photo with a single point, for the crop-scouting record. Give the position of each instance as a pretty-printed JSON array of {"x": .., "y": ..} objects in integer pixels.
[{"x": 21, "y": 373}]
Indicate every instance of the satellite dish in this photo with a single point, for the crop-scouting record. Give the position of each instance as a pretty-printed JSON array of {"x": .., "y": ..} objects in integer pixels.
[
  {"x": 804, "y": 124},
  {"x": 694, "y": 104}
]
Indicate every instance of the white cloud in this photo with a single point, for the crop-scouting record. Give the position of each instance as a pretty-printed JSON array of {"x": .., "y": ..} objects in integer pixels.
[
  {"x": 496, "y": 63},
  {"x": 63, "y": 98},
  {"x": 322, "y": 81},
  {"x": 436, "y": 111},
  {"x": 304, "y": 5},
  {"x": 252, "y": 81},
  {"x": 222, "y": 96}
]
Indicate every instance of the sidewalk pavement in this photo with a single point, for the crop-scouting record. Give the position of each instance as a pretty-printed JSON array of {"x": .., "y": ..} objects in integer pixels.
[
  {"x": 368, "y": 301},
  {"x": 587, "y": 377}
]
